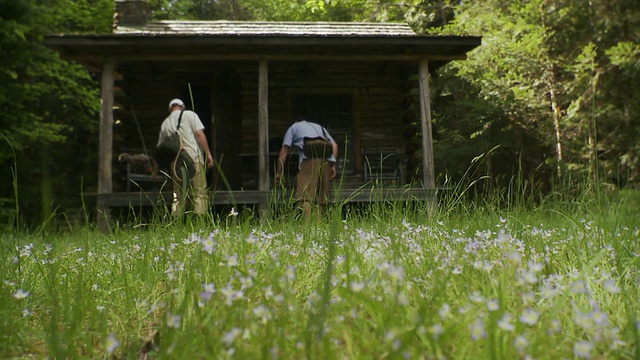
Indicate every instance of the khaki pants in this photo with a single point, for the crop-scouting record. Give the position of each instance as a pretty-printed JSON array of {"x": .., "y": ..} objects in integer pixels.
[
  {"x": 193, "y": 193},
  {"x": 312, "y": 183}
]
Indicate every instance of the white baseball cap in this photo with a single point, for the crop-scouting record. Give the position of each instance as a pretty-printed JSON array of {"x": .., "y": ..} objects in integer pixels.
[{"x": 175, "y": 102}]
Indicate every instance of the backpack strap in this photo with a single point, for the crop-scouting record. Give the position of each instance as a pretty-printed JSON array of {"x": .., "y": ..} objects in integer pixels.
[{"x": 179, "y": 120}]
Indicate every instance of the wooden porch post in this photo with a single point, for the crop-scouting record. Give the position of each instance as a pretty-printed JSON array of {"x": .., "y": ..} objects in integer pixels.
[
  {"x": 263, "y": 128},
  {"x": 429, "y": 181},
  {"x": 105, "y": 154}
]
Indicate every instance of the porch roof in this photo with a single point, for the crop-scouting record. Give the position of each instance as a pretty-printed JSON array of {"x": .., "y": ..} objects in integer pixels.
[{"x": 211, "y": 40}]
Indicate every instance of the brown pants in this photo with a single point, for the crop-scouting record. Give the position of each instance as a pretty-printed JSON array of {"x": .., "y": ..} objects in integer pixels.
[{"x": 312, "y": 182}]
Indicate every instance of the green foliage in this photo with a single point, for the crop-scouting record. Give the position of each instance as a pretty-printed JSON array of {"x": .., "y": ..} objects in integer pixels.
[
  {"x": 626, "y": 55},
  {"x": 71, "y": 16},
  {"x": 274, "y": 10},
  {"x": 418, "y": 13},
  {"x": 305, "y": 10},
  {"x": 199, "y": 10},
  {"x": 489, "y": 106},
  {"x": 45, "y": 103},
  {"x": 560, "y": 72}
]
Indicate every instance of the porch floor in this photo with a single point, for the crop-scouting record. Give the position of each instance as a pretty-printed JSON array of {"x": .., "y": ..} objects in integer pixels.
[{"x": 237, "y": 197}]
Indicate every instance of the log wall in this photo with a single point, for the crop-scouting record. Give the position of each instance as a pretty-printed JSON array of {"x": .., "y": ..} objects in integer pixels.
[{"x": 381, "y": 93}]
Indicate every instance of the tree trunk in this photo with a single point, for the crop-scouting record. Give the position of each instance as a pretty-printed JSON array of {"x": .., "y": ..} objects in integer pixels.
[
  {"x": 491, "y": 173},
  {"x": 593, "y": 131},
  {"x": 46, "y": 184},
  {"x": 557, "y": 116}
]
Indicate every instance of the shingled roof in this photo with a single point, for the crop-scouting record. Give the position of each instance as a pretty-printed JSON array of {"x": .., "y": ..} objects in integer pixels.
[
  {"x": 263, "y": 28},
  {"x": 210, "y": 40}
]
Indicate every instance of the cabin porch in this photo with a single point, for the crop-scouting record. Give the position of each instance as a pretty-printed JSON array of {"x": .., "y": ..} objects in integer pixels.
[
  {"x": 269, "y": 199},
  {"x": 384, "y": 180}
]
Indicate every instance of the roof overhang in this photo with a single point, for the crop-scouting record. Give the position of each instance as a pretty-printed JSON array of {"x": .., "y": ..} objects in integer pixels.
[{"x": 184, "y": 43}]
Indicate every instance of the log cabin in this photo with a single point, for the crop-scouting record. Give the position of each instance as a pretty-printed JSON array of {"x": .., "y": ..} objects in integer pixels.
[{"x": 367, "y": 83}]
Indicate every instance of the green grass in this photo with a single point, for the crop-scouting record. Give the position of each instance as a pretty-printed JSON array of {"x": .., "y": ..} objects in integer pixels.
[{"x": 556, "y": 279}]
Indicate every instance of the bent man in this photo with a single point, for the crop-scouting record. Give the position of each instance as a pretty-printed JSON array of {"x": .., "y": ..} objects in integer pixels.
[{"x": 316, "y": 162}]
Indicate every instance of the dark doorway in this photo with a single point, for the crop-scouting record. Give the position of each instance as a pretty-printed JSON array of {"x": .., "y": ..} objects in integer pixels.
[
  {"x": 227, "y": 123},
  {"x": 197, "y": 97}
]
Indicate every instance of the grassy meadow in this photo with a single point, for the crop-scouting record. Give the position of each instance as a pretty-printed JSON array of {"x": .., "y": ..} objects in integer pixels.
[{"x": 552, "y": 280}]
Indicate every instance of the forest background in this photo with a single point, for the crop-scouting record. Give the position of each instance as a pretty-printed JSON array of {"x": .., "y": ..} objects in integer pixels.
[{"x": 551, "y": 97}]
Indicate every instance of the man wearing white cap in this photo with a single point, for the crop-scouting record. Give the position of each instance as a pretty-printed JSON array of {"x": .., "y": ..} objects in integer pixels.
[{"x": 195, "y": 145}]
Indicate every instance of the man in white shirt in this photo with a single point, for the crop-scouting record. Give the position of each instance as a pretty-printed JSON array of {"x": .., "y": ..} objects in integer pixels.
[{"x": 196, "y": 147}]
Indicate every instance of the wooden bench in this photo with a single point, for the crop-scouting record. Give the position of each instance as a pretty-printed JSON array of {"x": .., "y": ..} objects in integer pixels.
[{"x": 137, "y": 171}]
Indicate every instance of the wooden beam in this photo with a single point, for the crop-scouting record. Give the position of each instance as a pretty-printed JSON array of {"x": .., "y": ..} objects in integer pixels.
[
  {"x": 105, "y": 154},
  {"x": 271, "y": 197},
  {"x": 263, "y": 125},
  {"x": 357, "y": 133},
  {"x": 427, "y": 137},
  {"x": 133, "y": 56}
]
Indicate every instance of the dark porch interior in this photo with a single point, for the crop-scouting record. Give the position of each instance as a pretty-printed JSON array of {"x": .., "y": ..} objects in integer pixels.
[{"x": 368, "y": 107}]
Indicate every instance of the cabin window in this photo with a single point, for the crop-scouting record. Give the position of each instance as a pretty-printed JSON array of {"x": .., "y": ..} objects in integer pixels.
[
  {"x": 330, "y": 110},
  {"x": 334, "y": 112}
]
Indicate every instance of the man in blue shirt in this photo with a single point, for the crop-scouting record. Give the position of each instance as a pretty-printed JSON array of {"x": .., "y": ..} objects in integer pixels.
[{"x": 316, "y": 162}]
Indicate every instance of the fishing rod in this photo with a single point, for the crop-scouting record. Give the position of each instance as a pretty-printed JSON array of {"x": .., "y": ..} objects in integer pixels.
[{"x": 135, "y": 119}]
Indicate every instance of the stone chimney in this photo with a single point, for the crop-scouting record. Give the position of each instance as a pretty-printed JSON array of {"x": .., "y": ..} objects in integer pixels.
[{"x": 132, "y": 13}]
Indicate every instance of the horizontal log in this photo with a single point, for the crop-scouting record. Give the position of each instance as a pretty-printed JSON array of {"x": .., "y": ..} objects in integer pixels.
[
  {"x": 163, "y": 56},
  {"x": 368, "y": 194}
]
